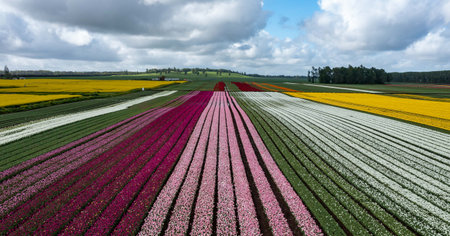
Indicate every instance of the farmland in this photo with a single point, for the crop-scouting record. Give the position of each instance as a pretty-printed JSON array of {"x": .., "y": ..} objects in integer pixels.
[
  {"x": 19, "y": 99},
  {"x": 227, "y": 157},
  {"x": 75, "y": 86},
  {"x": 29, "y": 94},
  {"x": 428, "y": 111}
]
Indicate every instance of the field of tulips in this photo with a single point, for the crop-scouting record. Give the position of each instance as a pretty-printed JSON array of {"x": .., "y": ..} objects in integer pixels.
[
  {"x": 220, "y": 86},
  {"x": 242, "y": 86},
  {"x": 73, "y": 190},
  {"x": 357, "y": 173},
  {"x": 432, "y": 112},
  {"x": 226, "y": 182},
  {"x": 273, "y": 87},
  {"x": 223, "y": 163}
]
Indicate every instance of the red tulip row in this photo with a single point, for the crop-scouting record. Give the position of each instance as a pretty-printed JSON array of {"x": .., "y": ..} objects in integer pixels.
[
  {"x": 96, "y": 195},
  {"x": 220, "y": 86},
  {"x": 246, "y": 87}
]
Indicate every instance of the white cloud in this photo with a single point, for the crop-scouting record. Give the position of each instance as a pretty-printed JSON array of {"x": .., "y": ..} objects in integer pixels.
[
  {"x": 373, "y": 24},
  {"x": 435, "y": 46},
  {"x": 76, "y": 37},
  {"x": 189, "y": 21},
  {"x": 24, "y": 37}
]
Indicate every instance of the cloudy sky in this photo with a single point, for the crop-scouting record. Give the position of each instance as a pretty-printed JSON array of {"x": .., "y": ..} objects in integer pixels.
[{"x": 253, "y": 36}]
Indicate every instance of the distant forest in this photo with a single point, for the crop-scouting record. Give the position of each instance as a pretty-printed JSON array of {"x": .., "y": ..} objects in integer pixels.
[
  {"x": 435, "y": 77},
  {"x": 348, "y": 75},
  {"x": 363, "y": 75}
]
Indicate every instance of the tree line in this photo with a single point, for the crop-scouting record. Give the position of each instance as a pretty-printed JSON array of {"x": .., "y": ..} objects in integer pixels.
[
  {"x": 436, "y": 77},
  {"x": 195, "y": 71},
  {"x": 348, "y": 75}
]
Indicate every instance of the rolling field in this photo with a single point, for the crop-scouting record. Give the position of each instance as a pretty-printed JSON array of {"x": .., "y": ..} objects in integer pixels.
[{"x": 229, "y": 157}]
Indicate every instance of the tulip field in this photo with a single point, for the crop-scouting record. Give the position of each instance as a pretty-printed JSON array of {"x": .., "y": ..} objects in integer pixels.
[{"x": 245, "y": 158}]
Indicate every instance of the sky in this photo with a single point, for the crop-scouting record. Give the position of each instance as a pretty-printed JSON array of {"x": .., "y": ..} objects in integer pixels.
[{"x": 270, "y": 37}]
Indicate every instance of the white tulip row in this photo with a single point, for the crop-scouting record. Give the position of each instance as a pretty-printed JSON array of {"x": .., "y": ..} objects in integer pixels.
[
  {"x": 23, "y": 130},
  {"x": 405, "y": 167}
]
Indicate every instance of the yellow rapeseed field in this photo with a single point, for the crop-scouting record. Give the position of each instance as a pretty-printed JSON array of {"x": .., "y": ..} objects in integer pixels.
[
  {"x": 77, "y": 86},
  {"x": 428, "y": 112},
  {"x": 19, "y": 99}
]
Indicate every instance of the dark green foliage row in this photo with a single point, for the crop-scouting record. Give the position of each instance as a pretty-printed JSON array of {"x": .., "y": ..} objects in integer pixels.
[{"x": 14, "y": 153}]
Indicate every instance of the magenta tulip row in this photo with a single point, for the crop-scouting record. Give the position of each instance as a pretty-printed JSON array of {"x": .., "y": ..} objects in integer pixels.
[
  {"x": 70, "y": 159},
  {"x": 88, "y": 198},
  {"x": 212, "y": 174}
]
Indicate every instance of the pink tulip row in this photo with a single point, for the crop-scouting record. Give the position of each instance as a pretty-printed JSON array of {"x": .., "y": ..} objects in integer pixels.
[
  {"x": 73, "y": 187},
  {"x": 204, "y": 208},
  {"x": 226, "y": 214},
  {"x": 277, "y": 221},
  {"x": 248, "y": 221},
  {"x": 304, "y": 219},
  {"x": 210, "y": 182}
]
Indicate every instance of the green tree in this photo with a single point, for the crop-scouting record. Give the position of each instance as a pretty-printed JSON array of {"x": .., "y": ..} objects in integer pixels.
[
  {"x": 7, "y": 73},
  {"x": 325, "y": 75}
]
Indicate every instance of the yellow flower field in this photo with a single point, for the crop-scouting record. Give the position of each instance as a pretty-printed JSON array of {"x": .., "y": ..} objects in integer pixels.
[
  {"x": 428, "y": 112},
  {"x": 19, "y": 99},
  {"x": 74, "y": 86},
  {"x": 421, "y": 97}
]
